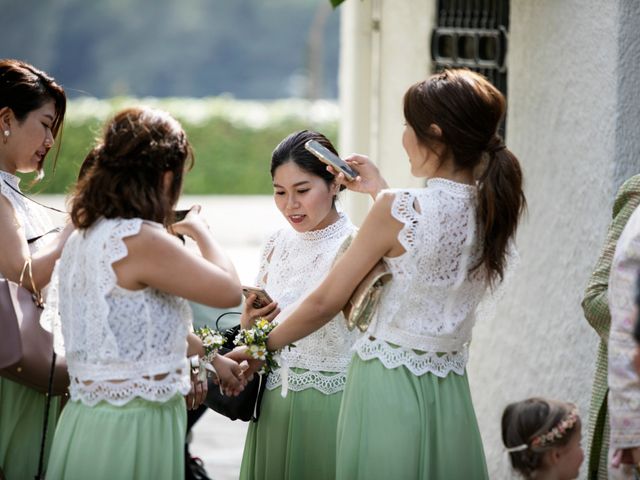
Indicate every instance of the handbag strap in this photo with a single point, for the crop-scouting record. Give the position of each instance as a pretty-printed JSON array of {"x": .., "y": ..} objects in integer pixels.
[
  {"x": 37, "y": 294},
  {"x": 57, "y": 229},
  {"x": 222, "y": 315},
  {"x": 45, "y": 424},
  {"x": 32, "y": 200}
]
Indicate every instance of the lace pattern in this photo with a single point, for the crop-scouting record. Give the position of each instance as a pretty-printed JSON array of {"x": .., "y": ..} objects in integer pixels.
[
  {"x": 430, "y": 304},
  {"x": 32, "y": 217},
  {"x": 292, "y": 265},
  {"x": 120, "y": 344}
]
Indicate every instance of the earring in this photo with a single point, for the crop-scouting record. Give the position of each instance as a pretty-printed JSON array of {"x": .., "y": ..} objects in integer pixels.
[{"x": 6, "y": 134}]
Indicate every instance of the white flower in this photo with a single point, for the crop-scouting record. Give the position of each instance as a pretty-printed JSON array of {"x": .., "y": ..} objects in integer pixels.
[{"x": 208, "y": 340}]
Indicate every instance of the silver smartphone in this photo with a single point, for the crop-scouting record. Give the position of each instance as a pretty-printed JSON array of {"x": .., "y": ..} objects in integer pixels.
[
  {"x": 327, "y": 156},
  {"x": 262, "y": 297}
]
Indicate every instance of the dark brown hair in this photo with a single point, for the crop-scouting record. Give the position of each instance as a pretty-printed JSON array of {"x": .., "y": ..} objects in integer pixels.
[
  {"x": 122, "y": 177},
  {"x": 24, "y": 88},
  {"x": 468, "y": 109},
  {"x": 523, "y": 421}
]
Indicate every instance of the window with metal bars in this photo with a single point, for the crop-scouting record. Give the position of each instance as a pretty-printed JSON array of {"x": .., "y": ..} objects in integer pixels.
[{"x": 472, "y": 34}]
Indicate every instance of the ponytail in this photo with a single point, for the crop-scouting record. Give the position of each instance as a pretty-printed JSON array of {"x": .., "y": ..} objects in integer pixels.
[{"x": 501, "y": 201}]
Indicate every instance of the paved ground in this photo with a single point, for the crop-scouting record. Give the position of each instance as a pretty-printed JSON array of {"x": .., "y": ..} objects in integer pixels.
[{"x": 241, "y": 224}]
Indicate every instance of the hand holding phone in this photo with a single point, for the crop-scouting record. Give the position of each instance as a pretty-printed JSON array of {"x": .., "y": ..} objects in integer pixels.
[
  {"x": 262, "y": 297},
  {"x": 327, "y": 156}
]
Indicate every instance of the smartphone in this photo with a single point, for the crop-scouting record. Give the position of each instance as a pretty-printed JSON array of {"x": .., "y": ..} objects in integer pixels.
[
  {"x": 327, "y": 156},
  {"x": 262, "y": 297},
  {"x": 180, "y": 214}
]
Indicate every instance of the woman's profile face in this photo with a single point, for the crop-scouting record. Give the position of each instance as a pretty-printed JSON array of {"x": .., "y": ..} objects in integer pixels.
[
  {"x": 30, "y": 140},
  {"x": 305, "y": 200}
]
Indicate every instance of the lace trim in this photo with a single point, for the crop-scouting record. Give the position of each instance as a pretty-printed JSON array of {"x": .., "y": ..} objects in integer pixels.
[
  {"x": 453, "y": 187},
  {"x": 439, "y": 364},
  {"x": 298, "y": 381},
  {"x": 121, "y": 393},
  {"x": 336, "y": 227}
]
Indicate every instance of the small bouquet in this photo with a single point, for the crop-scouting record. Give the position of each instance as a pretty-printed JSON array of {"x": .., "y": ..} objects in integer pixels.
[
  {"x": 255, "y": 338},
  {"x": 212, "y": 340}
]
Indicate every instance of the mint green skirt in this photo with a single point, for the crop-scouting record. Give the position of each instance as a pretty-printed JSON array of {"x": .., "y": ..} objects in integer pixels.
[
  {"x": 21, "y": 417},
  {"x": 140, "y": 440},
  {"x": 394, "y": 424},
  {"x": 295, "y": 437}
]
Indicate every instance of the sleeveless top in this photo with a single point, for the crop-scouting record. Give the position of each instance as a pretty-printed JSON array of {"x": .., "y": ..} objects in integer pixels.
[
  {"x": 32, "y": 217},
  {"x": 292, "y": 265},
  {"x": 120, "y": 344},
  {"x": 427, "y": 311}
]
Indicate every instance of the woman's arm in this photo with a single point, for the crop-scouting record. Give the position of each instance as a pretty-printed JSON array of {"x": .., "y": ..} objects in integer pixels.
[
  {"x": 159, "y": 260},
  {"x": 377, "y": 237},
  {"x": 15, "y": 250},
  {"x": 369, "y": 179},
  {"x": 594, "y": 304}
]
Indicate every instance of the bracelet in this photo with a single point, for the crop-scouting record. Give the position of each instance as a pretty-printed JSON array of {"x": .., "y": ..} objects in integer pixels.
[{"x": 255, "y": 339}]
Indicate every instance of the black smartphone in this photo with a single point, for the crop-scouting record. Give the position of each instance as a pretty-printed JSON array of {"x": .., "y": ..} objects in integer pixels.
[
  {"x": 262, "y": 297},
  {"x": 327, "y": 156},
  {"x": 179, "y": 215}
]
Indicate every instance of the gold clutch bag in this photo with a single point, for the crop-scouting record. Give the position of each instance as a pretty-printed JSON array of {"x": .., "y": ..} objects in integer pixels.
[{"x": 363, "y": 303}]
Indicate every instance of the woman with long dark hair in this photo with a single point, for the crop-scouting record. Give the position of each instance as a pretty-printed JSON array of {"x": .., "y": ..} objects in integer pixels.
[{"x": 406, "y": 410}]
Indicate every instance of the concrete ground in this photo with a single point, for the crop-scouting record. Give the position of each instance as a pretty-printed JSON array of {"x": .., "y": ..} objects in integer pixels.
[{"x": 241, "y": 225}]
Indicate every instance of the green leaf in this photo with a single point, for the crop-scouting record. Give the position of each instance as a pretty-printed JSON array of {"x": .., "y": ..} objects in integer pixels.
[{"x": 336, "y": 3}]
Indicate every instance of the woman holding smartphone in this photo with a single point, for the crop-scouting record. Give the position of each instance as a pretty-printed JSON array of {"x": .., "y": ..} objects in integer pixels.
[
  {"x": 118, "y": 295},
  {"x": 406, "y": 410},
  {"x": 293, "y": 262}
]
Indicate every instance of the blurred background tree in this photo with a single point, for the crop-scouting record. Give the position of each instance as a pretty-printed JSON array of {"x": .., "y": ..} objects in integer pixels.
[
  {"x": 124, "y": 51},
  {"x": 252, "y": 49}
]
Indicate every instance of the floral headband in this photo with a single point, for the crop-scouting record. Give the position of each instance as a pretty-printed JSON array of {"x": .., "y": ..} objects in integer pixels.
[{"x": 556, "y": 433}]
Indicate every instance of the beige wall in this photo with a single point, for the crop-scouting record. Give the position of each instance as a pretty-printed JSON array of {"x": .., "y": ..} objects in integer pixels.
[{"x": 573, "y": 116}]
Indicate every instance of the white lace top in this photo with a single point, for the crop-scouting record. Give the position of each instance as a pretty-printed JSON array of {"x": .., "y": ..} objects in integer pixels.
[
  {"x": 292, "y": 265},
  {"x": 427, "y": 310},
  {"x": 120, "y": 344},
  {"x": 34, "y": 219}
]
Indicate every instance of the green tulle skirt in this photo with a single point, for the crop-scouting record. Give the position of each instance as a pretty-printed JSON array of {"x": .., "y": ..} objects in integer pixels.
[
  {"x": 140, "y": 440},
  {"x": 21, "y": 418},
  {"x": 394, "y": 424},
  {"x": 294, "y": 439}
]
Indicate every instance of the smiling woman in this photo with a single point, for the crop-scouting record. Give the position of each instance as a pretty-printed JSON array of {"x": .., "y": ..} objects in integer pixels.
[
  {"x": 32, "y": 108},
  {"x": 294, "y": 260}
]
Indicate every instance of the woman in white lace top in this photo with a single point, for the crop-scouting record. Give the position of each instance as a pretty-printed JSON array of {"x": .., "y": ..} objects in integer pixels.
[
  {"x": 406, "y": 410},
  {"x": 32, "y": 108},
  {"x": 118, "y": 294},
  {"x": 294, "y": 261}
]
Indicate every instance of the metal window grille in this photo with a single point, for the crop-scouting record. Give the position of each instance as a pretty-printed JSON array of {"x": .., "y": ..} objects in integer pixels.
[{"x": 472, "y": 34}]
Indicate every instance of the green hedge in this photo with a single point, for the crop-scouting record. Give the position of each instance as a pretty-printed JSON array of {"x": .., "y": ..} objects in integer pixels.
[{"x": 232, "y": 139}]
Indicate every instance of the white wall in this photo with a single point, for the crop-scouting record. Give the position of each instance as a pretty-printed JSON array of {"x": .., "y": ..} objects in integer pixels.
[
  {"x": 565, "y": 119},
  {"x": 573, "y": 120}
]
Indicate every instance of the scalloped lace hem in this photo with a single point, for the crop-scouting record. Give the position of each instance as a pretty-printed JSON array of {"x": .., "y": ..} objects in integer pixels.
[
  {"x": 120, "y": 394},
  {"x": 326, "y": 384},
  {"x": 439, "y": 364}
]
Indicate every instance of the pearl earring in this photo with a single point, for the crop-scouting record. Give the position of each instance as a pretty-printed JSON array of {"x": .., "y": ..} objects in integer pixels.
[{"x": 7, "y": 133}]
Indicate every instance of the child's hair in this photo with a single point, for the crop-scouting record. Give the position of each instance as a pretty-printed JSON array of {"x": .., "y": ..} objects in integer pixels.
[
  {"x": 123, "y": 176},
  {"x": 468, "y": 110},
  {"x": 534, "y": 426}
]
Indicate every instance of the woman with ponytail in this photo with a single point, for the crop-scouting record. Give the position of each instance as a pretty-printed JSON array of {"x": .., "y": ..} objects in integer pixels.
[{"x": 406, "y": 410}]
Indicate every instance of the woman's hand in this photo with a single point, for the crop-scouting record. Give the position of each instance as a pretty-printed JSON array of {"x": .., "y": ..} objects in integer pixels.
[
  {"x": 241, "y": 355},
  {"x": 626, "y": 456},
  {"x": 191, "y": 225},
  {"x": 368, "y": 180},
  {"x": 230, "y": 375},
  {"x": 251, "y": 313}
]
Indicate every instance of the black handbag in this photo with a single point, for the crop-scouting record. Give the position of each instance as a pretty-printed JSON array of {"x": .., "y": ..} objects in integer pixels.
[{"x": 245, "y": 406}]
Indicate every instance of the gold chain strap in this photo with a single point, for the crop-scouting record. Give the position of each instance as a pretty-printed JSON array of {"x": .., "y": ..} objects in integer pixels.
[{"x": 37, "y": 294}]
